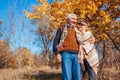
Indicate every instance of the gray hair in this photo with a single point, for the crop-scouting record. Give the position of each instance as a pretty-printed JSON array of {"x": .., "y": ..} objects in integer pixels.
[
  {"x": 71, "y": 16},
  {"x": 84, "y": 23}
]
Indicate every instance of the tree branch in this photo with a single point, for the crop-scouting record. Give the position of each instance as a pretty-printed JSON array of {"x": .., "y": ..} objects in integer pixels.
[{"x": 112, "y": 41}]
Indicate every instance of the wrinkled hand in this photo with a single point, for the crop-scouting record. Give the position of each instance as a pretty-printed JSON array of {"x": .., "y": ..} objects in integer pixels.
[
  {"x": 59, "y": 47},
  {"x": 58, "y": 57},
  {"x": 92, "y": 40}
]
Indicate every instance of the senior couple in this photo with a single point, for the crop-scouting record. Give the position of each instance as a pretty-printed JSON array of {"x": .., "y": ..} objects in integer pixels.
[{"x": 74, "y": 49}]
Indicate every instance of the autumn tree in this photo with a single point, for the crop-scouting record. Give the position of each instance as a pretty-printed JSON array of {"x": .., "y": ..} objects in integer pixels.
[
  {"x": 7, "y": 59},
  {"x": 45, "y": 35},
  {"x": 102, "y": 15},
  {"x": 97, "y": 12},
  {"x": 24, "y": 58},
  {"x": 16, "y": 29}
]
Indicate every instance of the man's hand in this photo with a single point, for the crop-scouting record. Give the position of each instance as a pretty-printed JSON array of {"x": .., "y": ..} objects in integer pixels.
[
  {"x": 58, "y": 57},
  {"x": 59, "y": 47}
]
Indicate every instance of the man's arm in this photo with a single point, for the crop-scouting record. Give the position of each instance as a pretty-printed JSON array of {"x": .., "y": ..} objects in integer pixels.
[
  {"x": 56, "y": 41},
  {"x": 55, "y": 44}
]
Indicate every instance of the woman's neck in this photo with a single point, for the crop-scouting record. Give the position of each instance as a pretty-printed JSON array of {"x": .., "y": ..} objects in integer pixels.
[{"x": 83, "y": 31}]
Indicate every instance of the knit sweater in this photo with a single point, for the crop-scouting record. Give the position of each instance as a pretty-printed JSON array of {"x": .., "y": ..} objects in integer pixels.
[{"x": 70, "y": 42}]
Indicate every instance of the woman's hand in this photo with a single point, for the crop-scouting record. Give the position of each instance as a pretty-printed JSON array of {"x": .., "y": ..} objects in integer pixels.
[{"x": 92, "y": 40}]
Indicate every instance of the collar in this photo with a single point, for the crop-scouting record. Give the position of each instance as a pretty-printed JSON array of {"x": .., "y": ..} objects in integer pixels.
[{"x": 69, "y": 26}]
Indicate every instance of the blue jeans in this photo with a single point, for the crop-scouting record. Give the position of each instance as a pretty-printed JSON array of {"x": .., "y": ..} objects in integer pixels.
[{"x": 71, "y": 69}]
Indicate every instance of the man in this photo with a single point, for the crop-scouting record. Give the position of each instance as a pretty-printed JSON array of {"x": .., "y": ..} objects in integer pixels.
[{"x": 66, "y": 48}]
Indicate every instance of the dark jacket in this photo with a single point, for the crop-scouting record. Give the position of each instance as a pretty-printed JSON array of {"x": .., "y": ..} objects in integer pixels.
[{"x": 56, "y": 40}]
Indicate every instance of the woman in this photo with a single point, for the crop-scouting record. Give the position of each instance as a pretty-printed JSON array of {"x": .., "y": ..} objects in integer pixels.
[{"x": 88, "y": 56}]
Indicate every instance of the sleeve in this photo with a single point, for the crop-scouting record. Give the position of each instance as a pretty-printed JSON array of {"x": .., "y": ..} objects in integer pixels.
[
  {"x": 56, "y": 40},
  {"x": 78, "y": 36},
  {"x": 88, "y": 35},
  {"x": 92, "y": 38}
]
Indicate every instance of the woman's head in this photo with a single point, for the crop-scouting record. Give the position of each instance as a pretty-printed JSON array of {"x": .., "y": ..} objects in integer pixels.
[{"x": 82, "y": 25}]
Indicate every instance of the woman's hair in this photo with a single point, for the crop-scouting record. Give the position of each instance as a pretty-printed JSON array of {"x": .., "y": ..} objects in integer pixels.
[{"x": 83, "y": 22}]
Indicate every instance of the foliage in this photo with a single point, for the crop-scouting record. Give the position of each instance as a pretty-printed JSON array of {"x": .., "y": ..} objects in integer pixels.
[
  {"x": 24, "y": 58},
  {"x": 102, "y": 16},
  {"x": 98, "y": 13},
  {"x": 7, "y": 59}
]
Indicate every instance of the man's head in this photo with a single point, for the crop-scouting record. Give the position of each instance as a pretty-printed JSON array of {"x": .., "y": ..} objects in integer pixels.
[{"x": 72, "y": 19}]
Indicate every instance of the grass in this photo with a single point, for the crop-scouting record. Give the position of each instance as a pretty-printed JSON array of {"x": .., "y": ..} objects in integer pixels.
[
  {"x": 42, "y": 73},
  {"x": 47, "y": 73}
]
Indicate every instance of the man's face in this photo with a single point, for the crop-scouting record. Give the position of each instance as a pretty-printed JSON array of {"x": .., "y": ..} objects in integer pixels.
[{"x": 73, "y": 21}]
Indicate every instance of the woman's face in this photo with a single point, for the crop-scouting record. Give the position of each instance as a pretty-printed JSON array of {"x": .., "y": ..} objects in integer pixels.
[{"x": 82, "y": 27}]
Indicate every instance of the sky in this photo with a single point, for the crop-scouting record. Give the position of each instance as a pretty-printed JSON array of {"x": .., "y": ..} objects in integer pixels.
[
  {"x": 27, "y": 38},
  {"x": 5, "y": 3}
]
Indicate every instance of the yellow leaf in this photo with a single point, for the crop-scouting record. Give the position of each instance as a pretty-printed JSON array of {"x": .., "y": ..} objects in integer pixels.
[
  {"x": 102, "y": 13},
  {"x": 116, "y": 6},
  {"x": 99, "y": 3},
  {"x": 59, "y": 12}
]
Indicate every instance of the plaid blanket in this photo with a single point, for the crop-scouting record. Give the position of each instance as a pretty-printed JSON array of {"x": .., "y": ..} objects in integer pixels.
[{"x": 86, "y": 49}]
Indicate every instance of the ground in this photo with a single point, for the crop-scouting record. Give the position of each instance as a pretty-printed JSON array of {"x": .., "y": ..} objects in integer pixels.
[{"x": 48, "y": 73}]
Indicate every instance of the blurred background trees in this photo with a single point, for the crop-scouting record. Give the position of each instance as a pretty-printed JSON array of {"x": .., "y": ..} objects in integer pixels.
[
  {"x": 102, "y": 15},
  {"x": 15, "y": 35},
  {"x": 6, "y": 57}
]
